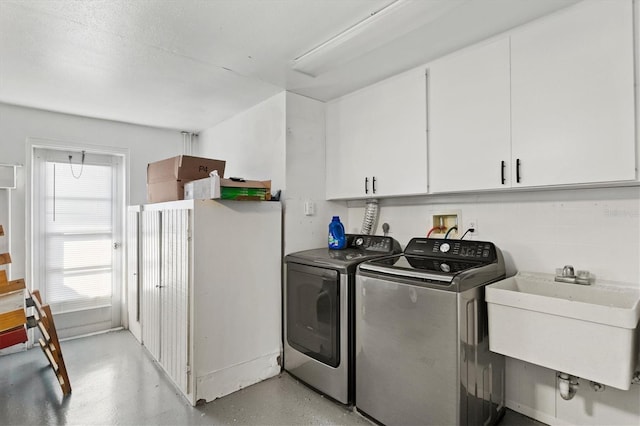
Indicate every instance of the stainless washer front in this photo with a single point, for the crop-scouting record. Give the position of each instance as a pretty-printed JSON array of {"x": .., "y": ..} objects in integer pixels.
[
  {"x": 422, "y": 346},
  {"x": 422, "y": 355}
]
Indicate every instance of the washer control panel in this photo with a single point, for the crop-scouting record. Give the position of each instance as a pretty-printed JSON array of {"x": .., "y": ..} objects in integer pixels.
[{"x": 452, "y": 249}]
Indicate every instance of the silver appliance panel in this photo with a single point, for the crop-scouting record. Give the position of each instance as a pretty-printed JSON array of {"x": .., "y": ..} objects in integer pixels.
[
  {"x": 422, "y": 355},
  {"x": 422, "y": 347},
  {"x": 332, "y": 381}
]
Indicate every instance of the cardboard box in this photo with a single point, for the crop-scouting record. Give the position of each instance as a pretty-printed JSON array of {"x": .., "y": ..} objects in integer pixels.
[
  {"x": 166, "y": 178},
  {"x": 203, "y": 189}
]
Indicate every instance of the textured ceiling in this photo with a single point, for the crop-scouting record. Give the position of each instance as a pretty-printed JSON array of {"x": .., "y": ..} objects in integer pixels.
[{"x": 190, "y": 64}]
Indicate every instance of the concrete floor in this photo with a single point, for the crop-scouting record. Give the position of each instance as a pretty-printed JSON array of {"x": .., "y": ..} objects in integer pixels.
[{"x": 115, "y": 382}]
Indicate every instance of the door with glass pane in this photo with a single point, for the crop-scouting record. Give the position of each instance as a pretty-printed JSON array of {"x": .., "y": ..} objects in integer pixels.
[{"x": 77, "y": 213}]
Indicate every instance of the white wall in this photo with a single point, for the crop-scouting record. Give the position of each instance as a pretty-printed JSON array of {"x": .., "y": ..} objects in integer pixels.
[
  {"x": 306, "y": 176},
  {"x": 281, "y": 139},
  {"x": 144, "y": 145},
  {"x": 593, "y": 229},
  {"x": 252, "y": 143}
]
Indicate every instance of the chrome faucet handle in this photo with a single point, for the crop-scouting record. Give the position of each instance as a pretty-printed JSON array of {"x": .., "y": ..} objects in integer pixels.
[
  {"x": 568, "y": 275},
  {"x": 568, "y": 271}
]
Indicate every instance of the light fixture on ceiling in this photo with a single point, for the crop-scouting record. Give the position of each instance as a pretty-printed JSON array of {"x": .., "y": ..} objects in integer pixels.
[{"x": 380, "y": 27}]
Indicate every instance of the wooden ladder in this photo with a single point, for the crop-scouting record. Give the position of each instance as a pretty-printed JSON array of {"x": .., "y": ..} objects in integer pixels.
[{"x": 14, "y": 300}]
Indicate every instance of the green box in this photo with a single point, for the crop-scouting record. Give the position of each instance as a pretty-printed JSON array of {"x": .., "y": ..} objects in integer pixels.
[{"x": 234, "y": 193}]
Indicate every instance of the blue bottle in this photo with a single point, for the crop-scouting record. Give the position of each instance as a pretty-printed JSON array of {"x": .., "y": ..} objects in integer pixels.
[{"x": 337, "y": 239}]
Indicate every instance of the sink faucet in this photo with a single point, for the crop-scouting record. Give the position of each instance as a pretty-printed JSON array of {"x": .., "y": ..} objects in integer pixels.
[
  {"x": 567, "y": 271},
  {"x": 567, "y": 275}
]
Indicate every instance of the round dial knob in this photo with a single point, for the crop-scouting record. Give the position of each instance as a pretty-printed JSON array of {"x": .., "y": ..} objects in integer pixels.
[
  {"x": 359, "y": 241},
  {"x": 445, "y": 267},
  {"x": 445, "y": 247}
]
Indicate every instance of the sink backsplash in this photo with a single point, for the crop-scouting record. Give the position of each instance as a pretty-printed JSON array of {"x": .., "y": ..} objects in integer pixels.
[{"x": 593, "y": 229}]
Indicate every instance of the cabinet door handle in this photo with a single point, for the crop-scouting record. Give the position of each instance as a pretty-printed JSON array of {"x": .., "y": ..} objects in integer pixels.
[
  {"x": 518, "y": 170},
  {"x": 366, "y": 185},
  {"x": 502, "y": 166},
  {"x": 373, "y": 184}
]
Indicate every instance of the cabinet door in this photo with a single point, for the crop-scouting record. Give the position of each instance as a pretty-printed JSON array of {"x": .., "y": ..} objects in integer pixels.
[
  {"x": 150, "y": 281},
  {"x": 398, "y": 147},
  {"x": 573, "y": 96},
  {"x": 379, "y": 132},
  {"x": 133, "y": 273},
  {"x": 174, "y": 296},
  {"x": 469, "y": 120}
]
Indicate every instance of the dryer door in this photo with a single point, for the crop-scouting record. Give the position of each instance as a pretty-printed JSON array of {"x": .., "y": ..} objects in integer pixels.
[{"x": 313, "y": 312}]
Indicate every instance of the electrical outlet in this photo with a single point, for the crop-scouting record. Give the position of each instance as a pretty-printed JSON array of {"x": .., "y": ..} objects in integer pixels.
[
  {"x": 309, "y": 208},
  {"x": 472, "y": 223}
]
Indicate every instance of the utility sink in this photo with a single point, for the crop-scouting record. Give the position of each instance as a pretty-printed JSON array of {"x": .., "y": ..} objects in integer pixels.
[{"x": 589, "y": 331}]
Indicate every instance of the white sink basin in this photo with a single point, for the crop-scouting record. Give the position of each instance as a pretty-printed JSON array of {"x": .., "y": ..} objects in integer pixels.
[{"x": 586, "y": 331}]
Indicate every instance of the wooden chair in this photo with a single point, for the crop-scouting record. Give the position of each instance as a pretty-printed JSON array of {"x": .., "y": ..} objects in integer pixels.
[
  {"x": 49, "y": 342},
  {"x": 15, "y": 299}
]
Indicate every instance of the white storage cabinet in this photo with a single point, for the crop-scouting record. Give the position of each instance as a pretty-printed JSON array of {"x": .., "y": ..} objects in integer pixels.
[
  {"x": 572, "y": 94},
  {"x": 376, "y": 139},
  {"x": 210, "y": 274},
  {"x": 469, "y": 120},
  {"x": 552, "y": 104}
]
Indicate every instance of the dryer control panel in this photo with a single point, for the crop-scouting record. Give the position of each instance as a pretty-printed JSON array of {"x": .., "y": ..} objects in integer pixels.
[{"x": 373, "y": 243}]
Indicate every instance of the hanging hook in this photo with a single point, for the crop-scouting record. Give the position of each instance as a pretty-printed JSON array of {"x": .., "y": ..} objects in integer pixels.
[{"x": 81, "y": 166}]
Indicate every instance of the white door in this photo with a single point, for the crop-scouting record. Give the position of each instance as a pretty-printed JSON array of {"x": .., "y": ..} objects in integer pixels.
[
  {"x": 77, "y": 210},
  {"x": 164, "y": 270},
  {"x": 150, "y": 261},
  {"x": 469, "y": 120},
  {"x": 379, "y": 133},
  {"x": 573, "y": 97},
  {"x": 133, "y": 271},
  {"x": 174, "y": 296}
]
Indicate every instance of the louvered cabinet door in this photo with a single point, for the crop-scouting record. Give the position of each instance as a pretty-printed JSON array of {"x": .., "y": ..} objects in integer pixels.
[
  {"x": 174, "y": 296},
  {"x": 150, "y": 260}
]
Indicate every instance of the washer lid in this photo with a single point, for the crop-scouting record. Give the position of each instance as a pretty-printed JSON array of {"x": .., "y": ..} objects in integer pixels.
[
  {"x": 456, "y": 264},
  {"x": 436, "y": 269}
]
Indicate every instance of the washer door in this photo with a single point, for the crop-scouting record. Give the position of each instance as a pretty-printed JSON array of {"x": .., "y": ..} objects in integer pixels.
[{"x": 313, "y": 314}]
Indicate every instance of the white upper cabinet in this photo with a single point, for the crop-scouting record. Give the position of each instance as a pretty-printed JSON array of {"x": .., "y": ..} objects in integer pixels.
[
  {"x": 553, "y": 102},
  {"x": 469, "y": 127},
  {"x": 572, "y": 94},
  {"x": 376, "y": 140}
]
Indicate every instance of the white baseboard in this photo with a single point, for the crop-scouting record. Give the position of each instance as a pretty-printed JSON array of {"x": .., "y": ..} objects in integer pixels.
[
  {"x": 217, "y": 384},
  {"x": 535, "y": 414}
]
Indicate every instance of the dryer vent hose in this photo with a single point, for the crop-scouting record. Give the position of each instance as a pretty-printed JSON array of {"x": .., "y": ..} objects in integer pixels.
[{"x": 370, "y": 217}]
